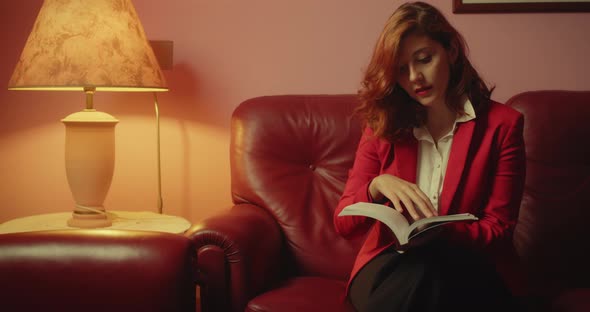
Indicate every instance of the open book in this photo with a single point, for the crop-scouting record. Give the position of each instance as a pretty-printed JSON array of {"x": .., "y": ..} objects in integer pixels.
[{"x": 403, "y": 230}]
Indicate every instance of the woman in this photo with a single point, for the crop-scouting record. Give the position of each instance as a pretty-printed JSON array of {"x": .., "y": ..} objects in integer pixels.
[{"x": 434, "y": 144}]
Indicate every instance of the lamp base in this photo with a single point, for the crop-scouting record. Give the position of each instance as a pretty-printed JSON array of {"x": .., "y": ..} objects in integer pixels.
[
  {"x": 90, "y": 160},
  {"x": 89, "y": 221}
]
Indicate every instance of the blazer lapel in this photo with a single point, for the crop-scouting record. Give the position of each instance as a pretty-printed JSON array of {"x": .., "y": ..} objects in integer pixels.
[
  {"x": 456, "y": 164},
  {"x": 406, "y": 158}
]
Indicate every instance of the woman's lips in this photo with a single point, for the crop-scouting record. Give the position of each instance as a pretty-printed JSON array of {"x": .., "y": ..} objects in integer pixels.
[{"x": 423, "y": 91}]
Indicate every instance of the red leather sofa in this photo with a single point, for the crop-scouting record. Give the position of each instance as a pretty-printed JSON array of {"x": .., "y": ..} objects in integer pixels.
[
  {"x": 96, "y": 270},
  {"x": 276, "y": 248}
]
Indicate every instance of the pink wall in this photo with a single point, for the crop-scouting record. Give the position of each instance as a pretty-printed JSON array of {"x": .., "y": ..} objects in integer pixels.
[{"x": 228, "y": 51}]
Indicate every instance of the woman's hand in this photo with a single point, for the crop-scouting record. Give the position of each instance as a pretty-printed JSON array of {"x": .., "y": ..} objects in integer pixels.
[{"x": 402, "y": 194}]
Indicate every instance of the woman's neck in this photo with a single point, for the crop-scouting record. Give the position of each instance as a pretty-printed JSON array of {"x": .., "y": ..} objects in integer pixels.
[{"x": 439, "y": 121}]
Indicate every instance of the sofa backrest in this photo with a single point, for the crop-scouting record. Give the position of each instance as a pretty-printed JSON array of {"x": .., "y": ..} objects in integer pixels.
[
  {"x": 551, "y": 236},
  {"x": 291, "y": 156}
]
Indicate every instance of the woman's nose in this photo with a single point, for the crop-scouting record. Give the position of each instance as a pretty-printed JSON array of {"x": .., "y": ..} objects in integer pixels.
[{"x": 415, "y": 74}]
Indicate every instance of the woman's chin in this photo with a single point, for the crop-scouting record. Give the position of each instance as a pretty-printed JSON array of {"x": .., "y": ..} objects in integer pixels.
[{"x": 428, "y": 101}]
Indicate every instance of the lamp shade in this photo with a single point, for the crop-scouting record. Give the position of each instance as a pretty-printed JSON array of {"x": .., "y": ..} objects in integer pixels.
[
  {"x": 81, "y": 44},
  {"x": 88, "y": 45}
]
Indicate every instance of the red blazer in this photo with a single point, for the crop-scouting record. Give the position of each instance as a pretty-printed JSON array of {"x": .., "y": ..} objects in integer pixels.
[{"x": 485, "y": 177}]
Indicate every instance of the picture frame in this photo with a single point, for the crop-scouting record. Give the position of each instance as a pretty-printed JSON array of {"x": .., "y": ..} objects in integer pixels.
[{"x": 519, "y": 6}]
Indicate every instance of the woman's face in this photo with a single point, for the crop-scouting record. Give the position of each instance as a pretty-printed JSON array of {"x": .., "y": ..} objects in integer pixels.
[{"x": 423, "y": 70}]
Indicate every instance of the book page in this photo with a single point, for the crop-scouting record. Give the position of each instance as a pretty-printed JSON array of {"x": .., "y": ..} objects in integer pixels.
[
  {"x": 439, "y": 220},
  {"x": 387, "y": 215},
  {"x": 423, "y": 225}
]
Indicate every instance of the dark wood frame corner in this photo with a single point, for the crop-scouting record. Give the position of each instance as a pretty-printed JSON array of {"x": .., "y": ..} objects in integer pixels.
[{"x": 520, "y": 7}]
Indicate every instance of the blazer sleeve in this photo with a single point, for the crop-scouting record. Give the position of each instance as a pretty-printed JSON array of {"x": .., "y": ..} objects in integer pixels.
[
  {"x": 366, "y": 166},
  {"x": 499, "y": 215}
]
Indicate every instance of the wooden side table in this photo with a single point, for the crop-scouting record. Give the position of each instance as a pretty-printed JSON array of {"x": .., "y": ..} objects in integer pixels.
[{"x": 122, "y": 220}]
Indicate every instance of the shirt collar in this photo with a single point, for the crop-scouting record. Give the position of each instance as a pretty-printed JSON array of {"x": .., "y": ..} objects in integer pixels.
[
  {"x": 468, "y": 114},
  {"x": 468, "y": 111}
]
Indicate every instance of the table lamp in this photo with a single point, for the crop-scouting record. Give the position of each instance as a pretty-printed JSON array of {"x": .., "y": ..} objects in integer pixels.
[{"x": 88, "y": 46}]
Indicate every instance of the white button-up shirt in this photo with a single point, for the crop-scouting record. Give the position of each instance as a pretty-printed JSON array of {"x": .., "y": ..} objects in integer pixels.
[{"x": 434, "y": 156}]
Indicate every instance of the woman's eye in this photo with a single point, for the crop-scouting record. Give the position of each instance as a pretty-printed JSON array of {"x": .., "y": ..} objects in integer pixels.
[
  {"x": 403, "y": 69},
  {"x": 425, "y": 60}
]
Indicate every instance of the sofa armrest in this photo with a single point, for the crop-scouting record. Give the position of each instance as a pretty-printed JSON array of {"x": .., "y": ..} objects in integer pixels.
[
  {"x": 238, "y": 256},
  {"x": 96, "y": 270}
]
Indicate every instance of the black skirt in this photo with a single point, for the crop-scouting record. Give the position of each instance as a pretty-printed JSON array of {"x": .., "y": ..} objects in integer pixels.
[{"x": 432, "y": 277}]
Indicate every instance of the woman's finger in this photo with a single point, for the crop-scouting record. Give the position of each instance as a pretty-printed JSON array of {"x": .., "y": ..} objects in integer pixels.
[
  {"x": 396, "y": 203},
  {"x": 425, "y": 198},
  {"x": 409, "y": 204},
  {"x": 420, "y": 206}
]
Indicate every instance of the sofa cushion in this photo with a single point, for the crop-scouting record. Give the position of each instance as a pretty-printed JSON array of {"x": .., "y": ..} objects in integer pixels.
[{"x": 304, "y": 294}]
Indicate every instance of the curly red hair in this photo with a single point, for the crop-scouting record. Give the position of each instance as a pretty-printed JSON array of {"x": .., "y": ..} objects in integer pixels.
[{"x": 385, "y": 107}]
